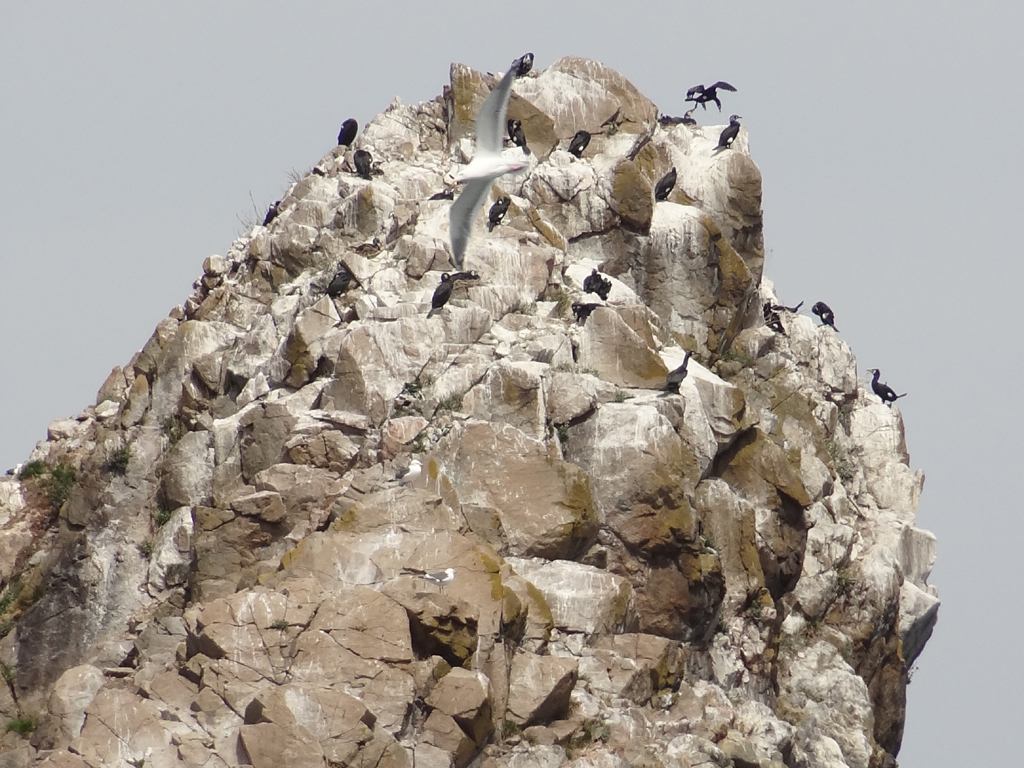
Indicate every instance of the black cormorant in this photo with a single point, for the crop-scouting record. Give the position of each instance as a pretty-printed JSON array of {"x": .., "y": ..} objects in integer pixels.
[
  {"x": 348, "y": 132},
  {"x": 442, "y": 293},
  {"x": 884, "y": 391},
  {"x": 688, "y": 118},
  {"x": 675, "y": 378},
  {"x": 772, "y": 319},
  {"x": 470, "y": 275},
  {"x": 730, "y": 133},
  {"x": 444, "y": 194},
  {"x": 342, "y": 281},
  {"x": 780, "y": 308},
  {"x": 524, "y": 64},
  {"x": 701, "y": 95},
  {"x": 363, "y": 160},
  {"x": 272, "y": 212},
  {"x": 596, "y": 283},
  {"x": 516, "y": 135},
  {"x": 579, "y": 143},
  {"x": 825, "y": 314},
  {"x": 665, "y": 186},
  {"x": 497, "y": 212},
  {"x": 582, "y": 311}
]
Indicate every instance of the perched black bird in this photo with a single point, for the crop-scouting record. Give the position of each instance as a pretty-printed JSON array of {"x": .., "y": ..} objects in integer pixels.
[
  {"x": 272, "y": 212},
  {"x": 497, "y": 212},
  {"x": 669, "y": 120},
  {"x": 363, "y": 161},
  {"x": 825, "y": 314},
  {"x": 772, "y": 319},
  {"x": 780, "y": 308},
  {"x": 582, "y": 311},
  {"x": 884, "y": 391},
  {"x": 665, "y": 186},
  {"x": 342, "y": 281},
  {"x": 318, "y": 171},
  {"x": 701, "y": 95},
  {"x": 524, "y": 64},
  {"x": 444, "y": 194},
  {"x": 442, "y": 293},
  {"x": 675, "y": 378},
  {"x": 579, "y": 143},
  {"x": 730, "y": 133},
  {"x": 688, "y": 118},
  {"x": 611, "y": 125},
  {"x": 348, "y": 132},
  {"x": 470, "y": 275},
  {"x": 596, "y": 283},
  {"x": 516, "y": 135}
]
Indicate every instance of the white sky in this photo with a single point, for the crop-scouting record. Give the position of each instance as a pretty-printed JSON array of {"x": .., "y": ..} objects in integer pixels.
[{"x": 133, "y": 136}]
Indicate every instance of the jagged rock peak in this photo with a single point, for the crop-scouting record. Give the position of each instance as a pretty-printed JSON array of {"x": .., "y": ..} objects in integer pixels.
[{"x": 219, "y": 562}]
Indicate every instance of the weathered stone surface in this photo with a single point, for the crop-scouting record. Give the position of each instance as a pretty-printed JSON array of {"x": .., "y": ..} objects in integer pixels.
[
  {"x": 729, "y": 575},
  {"x": 117, "y": 723},
  {"x": 464, "y": 696},
  {"x": 171, "y": 561},
  {"x": 510, "y": 393},
  {"x": 188, "y": 471},
  {"x": 581, "y": 598},
  {"x": 544, "y": 504},
  {"x": 65, "y": 709},
  {"x": 540, "y": 688},
  {"x": 618, "y": 354}
]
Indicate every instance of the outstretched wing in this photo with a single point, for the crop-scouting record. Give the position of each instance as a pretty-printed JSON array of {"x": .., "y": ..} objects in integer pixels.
[
  {"x": 724, "y": 85},
  {"x": 690, "y": 93},
  {"x": 462, "y": 214},
  {"x": 490, "y": 120}
]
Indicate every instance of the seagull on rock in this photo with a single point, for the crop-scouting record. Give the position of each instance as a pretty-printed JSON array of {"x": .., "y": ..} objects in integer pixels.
[
  {"x": 447, "y": 576},
  {"x": 488, "y": 163},
  {"x": 410, "y": 473}
]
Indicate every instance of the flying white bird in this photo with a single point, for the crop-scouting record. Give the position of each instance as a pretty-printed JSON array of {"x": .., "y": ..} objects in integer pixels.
[{"x": 488, "y": 163}]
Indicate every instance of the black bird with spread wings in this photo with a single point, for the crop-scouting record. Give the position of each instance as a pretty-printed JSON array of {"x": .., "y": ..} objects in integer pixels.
[{"x": 701, "y": 95}]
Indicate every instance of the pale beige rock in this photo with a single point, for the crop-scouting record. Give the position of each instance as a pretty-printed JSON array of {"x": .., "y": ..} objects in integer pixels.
[
  {"x": 118, "y": 723},
  {"x": 138, "y": 402},
  {"x": 171, "y": 561},
  {"x": 367, "y": 623},
  {"x": 544, "y": 503},
  {"x": 581, "y": 598},
  {"x": 464, "y": 696},
  {"x": 266, "y": 505},
  {"x": 188, "y": 471},
  {"x": 619, "y": 355},
  {"x": 510, "y": 393},
  {"x": 400, "y": 432},
  {"x": 539, "y": 688},
  {"x": 65, "y": 709}
]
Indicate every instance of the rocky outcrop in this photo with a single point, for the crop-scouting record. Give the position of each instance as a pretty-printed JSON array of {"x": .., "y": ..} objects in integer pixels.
[{"x": 223, "y": 561}]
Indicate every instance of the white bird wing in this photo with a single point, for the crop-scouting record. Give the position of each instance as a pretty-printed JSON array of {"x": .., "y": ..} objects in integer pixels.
[
  {"x": 490, "y": 120},
  {"x": 462, "y": 214}
]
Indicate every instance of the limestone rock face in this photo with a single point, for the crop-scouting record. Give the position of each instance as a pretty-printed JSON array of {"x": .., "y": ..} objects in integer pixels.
[{"x": 311, "y": 529}]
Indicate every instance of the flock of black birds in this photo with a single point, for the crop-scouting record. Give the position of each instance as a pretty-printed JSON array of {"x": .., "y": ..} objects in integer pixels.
[{"x": 594, "y": 283}]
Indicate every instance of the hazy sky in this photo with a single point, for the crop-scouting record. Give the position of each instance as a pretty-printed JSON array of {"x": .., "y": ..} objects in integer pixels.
[{"x": 135, "y": 138}]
